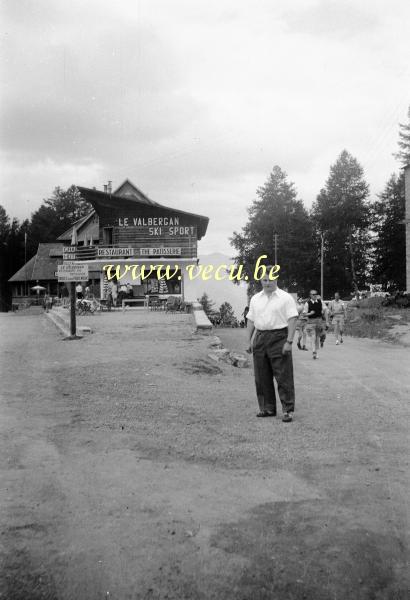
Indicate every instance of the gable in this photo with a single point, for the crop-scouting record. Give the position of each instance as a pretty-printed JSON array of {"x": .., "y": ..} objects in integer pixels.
[{"x": 129, "y": 190}]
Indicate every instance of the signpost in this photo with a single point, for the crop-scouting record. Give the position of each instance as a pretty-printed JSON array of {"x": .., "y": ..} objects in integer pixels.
[{"x": 70, "y": 272}]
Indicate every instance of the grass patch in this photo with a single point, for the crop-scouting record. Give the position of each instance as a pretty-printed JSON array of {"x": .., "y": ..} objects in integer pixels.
[{"x": 372, "y": 320}]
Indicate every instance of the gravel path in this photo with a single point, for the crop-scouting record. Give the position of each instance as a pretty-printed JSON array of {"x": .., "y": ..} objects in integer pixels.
[{"x": 135, "y": 468}]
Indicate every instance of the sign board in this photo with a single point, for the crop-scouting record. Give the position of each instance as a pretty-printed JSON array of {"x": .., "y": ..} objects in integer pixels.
[
  {"x": 116, "y": 252},
  {"x": 72, "y": 271},
  {"x": 69, "y": 253},
  {"x": 134, "y": 252},
  {"x": 160, "y": 251}
]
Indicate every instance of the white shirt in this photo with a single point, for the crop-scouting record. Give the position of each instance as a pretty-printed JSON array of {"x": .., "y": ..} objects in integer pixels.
[
  {"x": 337, "y": 307},
  {"x": 271, "y": 311}
]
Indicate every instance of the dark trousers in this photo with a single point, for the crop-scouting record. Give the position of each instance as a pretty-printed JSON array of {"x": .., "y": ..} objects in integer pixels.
[{"x": 270, "y": 363}]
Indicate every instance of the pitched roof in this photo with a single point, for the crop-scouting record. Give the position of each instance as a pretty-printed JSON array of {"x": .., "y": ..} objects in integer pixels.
[
  {"x": 77, "y": 224},
  {"x": 99, "y": 199},
  {"x": 42, "y": 266},
  {"x": 128, "y": 190},
  {"x": 26, "y": 271}
]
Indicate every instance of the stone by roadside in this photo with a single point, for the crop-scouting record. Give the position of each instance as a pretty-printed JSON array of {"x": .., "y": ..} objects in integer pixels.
[{"x": 220, "y": 353}]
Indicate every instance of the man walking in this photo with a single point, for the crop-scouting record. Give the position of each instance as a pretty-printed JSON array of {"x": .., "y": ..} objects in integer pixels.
[
  {"x": 271, "y": 326},
  {"x": 337, "y": 310},
  {"x": 325, "y": 322},
  {"x": 301, "y": 325},
  {"x": 314, "y": 327}
]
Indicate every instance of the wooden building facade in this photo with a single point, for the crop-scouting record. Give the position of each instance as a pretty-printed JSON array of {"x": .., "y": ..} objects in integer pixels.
[
  {"x": 123, "y": 228},
  {"x": 135, "y": 230}
]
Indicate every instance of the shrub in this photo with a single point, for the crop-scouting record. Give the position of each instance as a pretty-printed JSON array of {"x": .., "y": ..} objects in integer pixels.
[{"x": 374, "y": 302}]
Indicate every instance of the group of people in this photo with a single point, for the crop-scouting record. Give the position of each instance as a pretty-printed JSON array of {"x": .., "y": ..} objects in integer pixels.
[
  {"x": 116, "y": 294},
  {"x": 314, "y": 319},
  {"x": 272, "y": 321},
  {"x": 82, "y": 292}
]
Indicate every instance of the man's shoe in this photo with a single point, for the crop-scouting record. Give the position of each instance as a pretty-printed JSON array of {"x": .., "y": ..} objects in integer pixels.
[
  {"x": 315, "y": 355},
  {"x": 341, "y": 340},
  {"x": 304, "y": 348},
  {"x": 287, "y": 418},
  {"x": 265, "y": 413},
  {"x": 337, "y": 342}
]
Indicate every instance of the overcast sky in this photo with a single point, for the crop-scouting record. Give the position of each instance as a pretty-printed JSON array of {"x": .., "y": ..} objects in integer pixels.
[{"x": 195, "y": 101}]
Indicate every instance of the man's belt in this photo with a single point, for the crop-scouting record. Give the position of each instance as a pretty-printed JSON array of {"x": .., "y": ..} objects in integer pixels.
[{"x": 264, "y": 330}]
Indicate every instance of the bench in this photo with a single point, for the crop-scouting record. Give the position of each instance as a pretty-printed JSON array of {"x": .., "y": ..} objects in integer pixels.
[{"x": 142, "y": 300}]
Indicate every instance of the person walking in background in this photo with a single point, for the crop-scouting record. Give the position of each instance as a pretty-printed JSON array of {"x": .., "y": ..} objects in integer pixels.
[
  {"x": 325, "y": 322},
  {"x": 313, "y": 310},
  {"x": 337, "y": 310},
  {"x": 271, "y": 326},
  {"x": 301, "y": 325},
  {"x": 245, "y": 315}
]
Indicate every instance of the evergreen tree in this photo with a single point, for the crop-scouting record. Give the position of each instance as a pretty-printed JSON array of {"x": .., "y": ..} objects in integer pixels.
[
  {"x": 207, "y": 303},
  {"x": 11, "y": 254},
  {"x": 341, "y": 213},
  {"x": 227, "y": 314},
  {"x": 403, "y": 155},
  {"x": 389, "y": 266},
  {"x": 277, "y": 210},
  {"x": 4, "y": 224},
  {"x": 54, "y": 216},
  {"x": 57, "y": 214},
  {"x": 4, "y": 235}
]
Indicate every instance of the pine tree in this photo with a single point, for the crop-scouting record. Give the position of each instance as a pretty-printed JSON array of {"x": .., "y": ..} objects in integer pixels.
[
  {"x": 227, "y": 314},
  {"x": 342, "y": 214},
  {"x": 389, "y": 266},
  {"x": 57, "y": 214},
  {"x": 207, "y": 303},
  {"x": 278, "y": 211},
  {"x": 403, "y": 155}
]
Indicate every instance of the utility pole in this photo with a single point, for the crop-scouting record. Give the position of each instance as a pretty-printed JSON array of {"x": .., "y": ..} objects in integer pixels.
[
  {"x": 321, "y": 265},
  {"x": 275, "y": 238},
  {"x": 25, "y": 264}
]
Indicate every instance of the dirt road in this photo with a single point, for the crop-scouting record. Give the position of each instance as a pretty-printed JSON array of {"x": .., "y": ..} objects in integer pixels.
[{"x": 133, "y": 468}]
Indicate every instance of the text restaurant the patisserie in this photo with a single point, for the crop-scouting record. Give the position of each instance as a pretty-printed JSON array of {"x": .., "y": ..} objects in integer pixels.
[{"x": 128, "y": 228}]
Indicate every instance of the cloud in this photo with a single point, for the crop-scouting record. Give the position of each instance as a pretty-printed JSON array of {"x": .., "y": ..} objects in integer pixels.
[
  {"x": 25, "y": 186},
  {"x": 196, "y": 101},
  {"x": 332, "y": 19}
]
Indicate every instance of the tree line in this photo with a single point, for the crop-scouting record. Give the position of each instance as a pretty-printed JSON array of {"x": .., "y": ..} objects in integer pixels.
[
  {"x": 363, "y": 242},
  {"x": 20, "y": 240}
]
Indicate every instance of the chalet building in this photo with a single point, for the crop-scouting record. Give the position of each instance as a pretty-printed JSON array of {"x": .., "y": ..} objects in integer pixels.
[
  {"x": 125, "y": 227},
  {"x": 135, "y": 230},
  {"x": 40, "y": 270}
]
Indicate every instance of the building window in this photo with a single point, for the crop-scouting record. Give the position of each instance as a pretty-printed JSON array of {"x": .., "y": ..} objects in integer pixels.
[{"x": 107, "y": 236}]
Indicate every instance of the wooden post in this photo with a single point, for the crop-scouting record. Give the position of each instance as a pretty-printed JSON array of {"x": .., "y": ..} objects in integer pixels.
[{"x": 73, "y": 327}]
